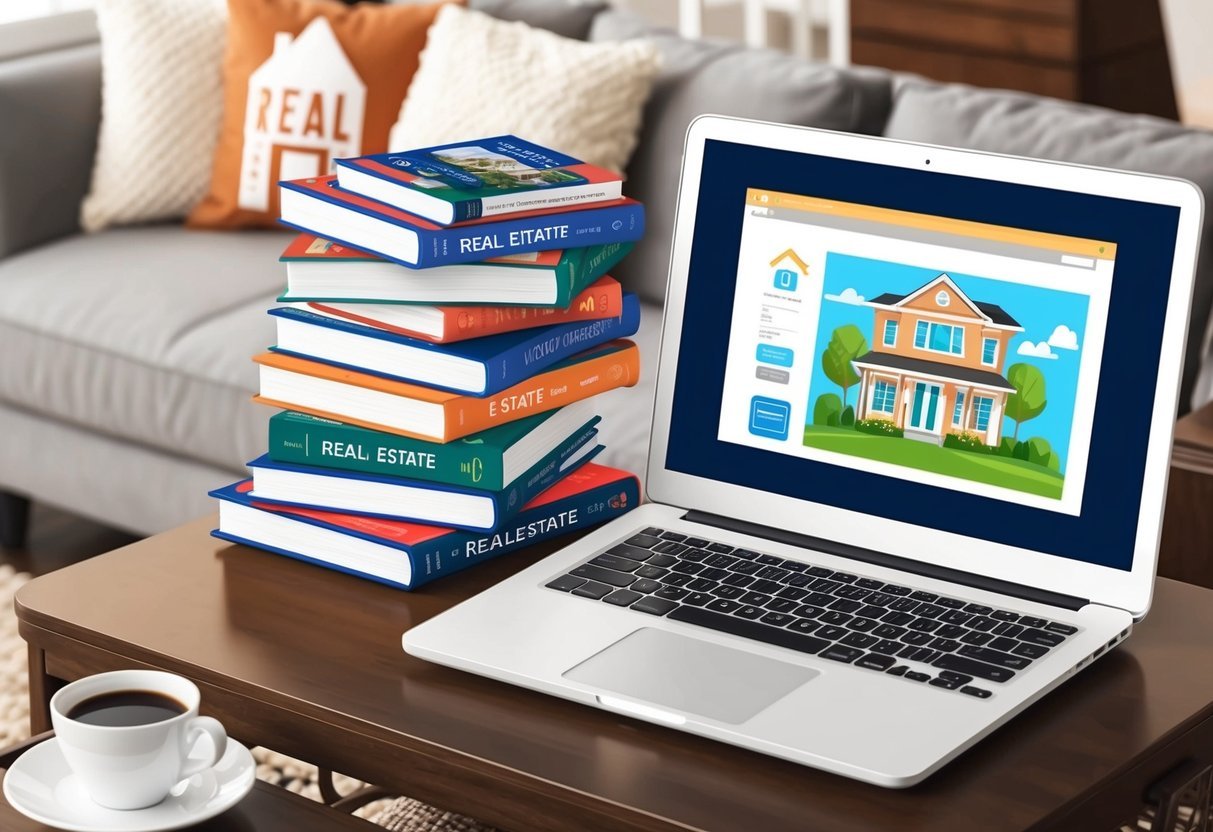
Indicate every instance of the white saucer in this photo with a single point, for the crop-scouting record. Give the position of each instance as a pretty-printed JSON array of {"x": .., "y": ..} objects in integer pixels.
[{"x": 42, "y": 787}]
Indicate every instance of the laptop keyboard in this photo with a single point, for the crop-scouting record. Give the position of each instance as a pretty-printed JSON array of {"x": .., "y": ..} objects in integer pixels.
[{"x": 944, "y": 642}]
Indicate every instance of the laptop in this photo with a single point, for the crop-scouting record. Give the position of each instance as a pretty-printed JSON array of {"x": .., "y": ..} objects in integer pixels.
[{"x": 909, "y": 453}]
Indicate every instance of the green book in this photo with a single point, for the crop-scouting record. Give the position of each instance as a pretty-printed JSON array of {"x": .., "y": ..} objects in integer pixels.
[
  {"x": 321, "y": 271},
  {"x": 489, "y": 460}
]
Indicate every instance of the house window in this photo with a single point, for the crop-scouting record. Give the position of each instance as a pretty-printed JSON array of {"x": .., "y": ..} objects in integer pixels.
[
  {"x": 939, "y": 337},
  {"x": 942, "y": 298},
  {"x": 958, "y": 411},
  {"x": 890, "y": 333},
  {"x": 989, "y": 351},
  {"x": 982, "y": 406},
  {"x": 884, "y": 394}
]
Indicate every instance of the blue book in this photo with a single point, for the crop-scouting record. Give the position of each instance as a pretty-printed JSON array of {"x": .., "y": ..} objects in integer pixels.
[
  {"x": 421, "y": 501},
  {"x": 483, "y": 178},
  {"x": 318, "y": 206},
  {"x": 479, "y": 366},
  {"x": 407, "y": 555}
]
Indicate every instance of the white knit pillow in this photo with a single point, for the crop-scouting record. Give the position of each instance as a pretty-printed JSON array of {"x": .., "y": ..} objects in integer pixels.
[
  {"x": 161, "y": 101},
  {"x": 481, "y": 76}
]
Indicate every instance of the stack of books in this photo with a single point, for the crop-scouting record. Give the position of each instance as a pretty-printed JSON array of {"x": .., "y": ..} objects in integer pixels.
[{"x": 449, "y": 317}]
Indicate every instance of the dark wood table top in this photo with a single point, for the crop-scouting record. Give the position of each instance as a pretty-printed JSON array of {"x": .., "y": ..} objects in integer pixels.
[{"x": 319, "y": 645}]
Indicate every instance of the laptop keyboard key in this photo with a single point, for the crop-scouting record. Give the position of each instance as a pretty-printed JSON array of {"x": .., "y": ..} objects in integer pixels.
[
  {"x": 675, "y": 536},
  {"x": 593, "y": 589},
  {"x": 664, "y": 561},
  {"x": 623, "y": 550},
  {"x": 839, "y": 653},
  {"x": 915, "y": 676},
  {"x": 875, "y": 661},
  {"x": 671, "y": 593},
  {"x": 756, "y": 598},
  {"x": 723, "y": 605},
  {"x": 777, "y": 619},
  {"x": 831, "y": 632},
  {"x": 804, "y": 625},
  {"x": 566, "y": 583},
  {"x": 974, "y": 637},
  {"x": 769, "y": 587},
  {"x": 770, "y": 560},
  {"x": 747, "y": 554},
  {"x": 985, "y": 654},
  {"x": 887, "y": 647},
  {"x": 623, "y": 597},
  {"x": 617, "y": 563},
  {"x": 1004, "y": 615},
  {"x": 654, "y": 606},
  {"x": 702, "y": 584},
  {"x": 651, "y": 572},
  {"x": 899, "y": 670},
  {"x": 645, "y": 586},
  {"x": 696, "y": 542},
  {"x": 946, "y": 684},
  {"x": 698, "y": 599},
  {"x": 980, "y": 693},
  {"x": 643, "y": 540},
  {"x": 749, "y": 629},
  {"x": 1058, "y": 627},
  {"x": 669, "y": 547},
  {"x": 1032, "y": 651},
  {"x": 895, "y": 589},
  {"x": 971, "y": 667},
  {"x": 1041, "y": 637},
  {"x": 780, "y": 605},
  {"x": 606, "y": 576},
  {"x": 730, "y": 592},
  {"x": 1008, "y": 645},
  {"x": 750, "y": 612},
  {"x": 722, "y": 548},
  {"x": 859, "y": 640},
  {"x": 889, "y": 631},
  {"x": 677, "y": 579}
]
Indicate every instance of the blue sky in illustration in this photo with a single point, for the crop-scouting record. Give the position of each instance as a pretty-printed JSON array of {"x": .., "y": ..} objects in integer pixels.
[{"x": 1039, "y": 311}]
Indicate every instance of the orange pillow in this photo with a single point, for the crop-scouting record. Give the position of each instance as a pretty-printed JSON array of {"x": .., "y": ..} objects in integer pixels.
[{"x": 304, "y": 82}]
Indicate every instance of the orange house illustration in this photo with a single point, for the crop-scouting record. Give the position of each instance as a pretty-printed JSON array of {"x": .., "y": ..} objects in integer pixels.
[
  {"x": 936, "y": 364},
  {"x": 305, "y": 107}
]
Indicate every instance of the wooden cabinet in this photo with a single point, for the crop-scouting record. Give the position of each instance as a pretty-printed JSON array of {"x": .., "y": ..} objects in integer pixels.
[{"x": 1107, "y": 52}]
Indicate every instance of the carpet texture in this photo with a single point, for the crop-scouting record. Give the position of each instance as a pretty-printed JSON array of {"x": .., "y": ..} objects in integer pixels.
[{"x": 399, "y": 815}]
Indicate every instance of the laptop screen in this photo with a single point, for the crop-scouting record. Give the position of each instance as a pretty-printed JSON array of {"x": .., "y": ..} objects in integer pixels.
[{"x": 961, "y": 354}]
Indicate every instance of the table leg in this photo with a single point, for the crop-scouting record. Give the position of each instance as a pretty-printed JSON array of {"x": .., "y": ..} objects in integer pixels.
[{"x": 41, "y": 688}]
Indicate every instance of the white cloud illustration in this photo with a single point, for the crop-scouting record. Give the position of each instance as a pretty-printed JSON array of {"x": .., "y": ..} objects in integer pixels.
[
  {"x": 847, "y": 295},
  {"x": 1040, "y": 350},
  {"x": 1064, "y": 338}
]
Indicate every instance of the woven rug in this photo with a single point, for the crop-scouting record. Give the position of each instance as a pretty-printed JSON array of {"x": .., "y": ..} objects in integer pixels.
[{"x": 399, "y": 815}]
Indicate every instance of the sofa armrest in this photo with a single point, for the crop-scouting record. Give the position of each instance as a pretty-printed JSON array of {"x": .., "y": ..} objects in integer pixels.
[{"x": 51, "y": 106}]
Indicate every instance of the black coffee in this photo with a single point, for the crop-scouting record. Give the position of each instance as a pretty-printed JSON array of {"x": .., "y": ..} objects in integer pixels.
[{"x": 125, "y": 708}]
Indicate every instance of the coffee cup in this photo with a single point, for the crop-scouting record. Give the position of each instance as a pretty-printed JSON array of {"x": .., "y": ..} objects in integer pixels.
[{"x": 130, "y": 736}]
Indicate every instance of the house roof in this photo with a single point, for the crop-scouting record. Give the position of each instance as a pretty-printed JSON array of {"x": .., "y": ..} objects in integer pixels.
[
  {"x": 993, "y": 311},
  {"x": 964, "y": 375}
]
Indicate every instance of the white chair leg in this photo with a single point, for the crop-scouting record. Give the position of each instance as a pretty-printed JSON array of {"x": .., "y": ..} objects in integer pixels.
[
  {"x": 840, "y": 32},
  {"x": 755, "y": 23},
  {"x": 690, "y": 18},
  {"x": 801, "y": 21}
]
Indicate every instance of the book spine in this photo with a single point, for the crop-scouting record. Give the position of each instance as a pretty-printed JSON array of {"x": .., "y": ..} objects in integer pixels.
[
  {"x": 468, "y": 209},
  {"x": 546, "y": 472},
  {"x": 591, "y": 304},
  {"x": 573, "y": 229},
  {"x": 305, "y": 440},
  {"x": 457, "y": 551},
  {"x": 547, "y": 391},
  {"x": 551, "y": 345}
]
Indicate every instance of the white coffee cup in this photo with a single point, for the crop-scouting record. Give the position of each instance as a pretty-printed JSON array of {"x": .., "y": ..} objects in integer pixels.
[{"x": 135, "y": 766}]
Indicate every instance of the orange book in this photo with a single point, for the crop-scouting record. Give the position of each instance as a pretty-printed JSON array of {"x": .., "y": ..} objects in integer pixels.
[
  {"x": 447, "y": 324},
  {"x": 436, "y": 415}
]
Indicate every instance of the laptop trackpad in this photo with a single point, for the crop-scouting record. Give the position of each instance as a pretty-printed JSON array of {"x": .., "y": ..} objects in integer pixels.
[{"x": 690, "y": 675}]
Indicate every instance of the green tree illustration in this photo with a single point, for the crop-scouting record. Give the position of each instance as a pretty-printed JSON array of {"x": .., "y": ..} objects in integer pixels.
[
  {"x": 846, "y": 344},
  {"x": 1028, "y": 401}
]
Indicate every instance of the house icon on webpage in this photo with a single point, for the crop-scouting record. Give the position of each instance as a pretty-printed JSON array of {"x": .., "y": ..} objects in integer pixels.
[{"x": 305, "y": 106}]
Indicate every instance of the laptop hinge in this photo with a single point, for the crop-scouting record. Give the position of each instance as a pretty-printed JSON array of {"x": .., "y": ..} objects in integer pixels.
[{"x": 942, "y": 573}]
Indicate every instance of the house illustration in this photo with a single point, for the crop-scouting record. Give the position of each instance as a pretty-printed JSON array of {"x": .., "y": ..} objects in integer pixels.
[
  {"x": 936, "y": 366},
  {"x": 305, "y": 107}
]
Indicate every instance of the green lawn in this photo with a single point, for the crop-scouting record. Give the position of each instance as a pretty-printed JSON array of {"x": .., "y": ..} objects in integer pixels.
[{"x": 994, "y": 470}]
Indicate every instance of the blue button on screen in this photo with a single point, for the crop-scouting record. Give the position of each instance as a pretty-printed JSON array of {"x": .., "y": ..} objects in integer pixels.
[
  {"x": 769, "y": 417},
  {"x": 779, "y": 356}
]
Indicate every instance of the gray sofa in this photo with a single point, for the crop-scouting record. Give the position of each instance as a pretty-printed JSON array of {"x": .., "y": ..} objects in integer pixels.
[{"x": 125, "y": 378}]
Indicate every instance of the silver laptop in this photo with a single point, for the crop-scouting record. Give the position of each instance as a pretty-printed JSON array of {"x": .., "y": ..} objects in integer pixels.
[{"x": 909, "y": 452}]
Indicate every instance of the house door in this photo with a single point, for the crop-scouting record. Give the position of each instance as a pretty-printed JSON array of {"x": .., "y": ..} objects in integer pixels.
[{"x": 924, "y": 407}]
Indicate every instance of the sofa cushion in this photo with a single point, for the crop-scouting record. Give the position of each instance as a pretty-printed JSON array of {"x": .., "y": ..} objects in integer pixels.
[
  {"x": 728, "y": 79},
  {"x": 1026, "y": 125},
  {"x": 144, "y": 334},
  {"x": 569, "y": 20}
]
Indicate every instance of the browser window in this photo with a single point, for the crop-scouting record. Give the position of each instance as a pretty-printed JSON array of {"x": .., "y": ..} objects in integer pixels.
[{"x": 941, "y": 351}]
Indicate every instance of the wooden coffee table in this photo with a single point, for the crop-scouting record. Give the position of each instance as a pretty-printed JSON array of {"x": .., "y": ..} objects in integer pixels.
[{"x": 308, "y": 662}]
